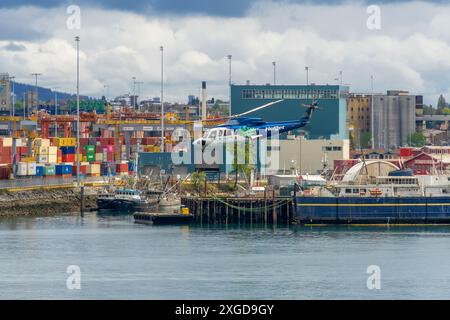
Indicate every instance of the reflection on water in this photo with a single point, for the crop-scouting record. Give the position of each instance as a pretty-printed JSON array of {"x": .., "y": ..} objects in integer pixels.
[{"x": 121, "y": 259}]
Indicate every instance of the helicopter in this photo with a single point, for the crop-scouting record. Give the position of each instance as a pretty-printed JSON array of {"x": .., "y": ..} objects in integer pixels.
[{"x": 239, "y": 127}]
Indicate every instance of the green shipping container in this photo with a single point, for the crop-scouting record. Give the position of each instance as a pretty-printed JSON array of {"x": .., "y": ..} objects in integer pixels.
[
  {"x": 89, "y": 149},
  {"x": 90, "y": 157},
  {"x": 49, "y": 170}
]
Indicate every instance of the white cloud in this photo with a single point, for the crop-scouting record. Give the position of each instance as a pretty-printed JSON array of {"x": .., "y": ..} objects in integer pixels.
[{"x": 410, "y": 52}]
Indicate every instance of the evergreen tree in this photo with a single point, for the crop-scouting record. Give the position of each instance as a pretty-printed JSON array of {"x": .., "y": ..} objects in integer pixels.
[{"x": 442, "y": 103}]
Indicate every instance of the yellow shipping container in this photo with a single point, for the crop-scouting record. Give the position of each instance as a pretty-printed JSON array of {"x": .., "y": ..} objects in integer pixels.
[
  {"x": 99, "y": 157},
  {"x": 71, "y": 142},
  {"x": 156, "y": 149}
]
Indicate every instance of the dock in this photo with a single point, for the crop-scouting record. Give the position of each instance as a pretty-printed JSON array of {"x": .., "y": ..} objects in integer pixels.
[{"x": 234, "y": 210}]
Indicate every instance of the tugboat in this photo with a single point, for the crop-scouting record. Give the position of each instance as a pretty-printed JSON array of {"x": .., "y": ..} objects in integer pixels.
[{"x": 124, "y": 200}]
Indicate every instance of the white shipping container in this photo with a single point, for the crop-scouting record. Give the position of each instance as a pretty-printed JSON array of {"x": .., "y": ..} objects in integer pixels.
[
  {"x": 41, "y": 150},
  {"x": 39, "y": 142},
  {"x": 42, "y": 158},
  {"x": 7, "y": 142},
  {"x": 31, "y": 169},
  {"x": 93, "y": 169},
  {"x": 22, "y": 169},
  {"x": 20, "y": 142},
  {"x": 53, "y": 158}
]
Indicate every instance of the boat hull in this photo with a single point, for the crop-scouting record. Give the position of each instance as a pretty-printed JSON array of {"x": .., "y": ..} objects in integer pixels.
[
  {"x": 118, "y": 205},
  {"x": 382, "y": 210},
  {"x": 148, "y": 218}
]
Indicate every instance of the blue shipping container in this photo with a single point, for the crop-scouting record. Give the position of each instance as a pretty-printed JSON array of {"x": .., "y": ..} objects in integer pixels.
[
  {"x": 39, "y": 171},
  {"x": 130, "y": 166},
  {"x": 63, "y": 169}
]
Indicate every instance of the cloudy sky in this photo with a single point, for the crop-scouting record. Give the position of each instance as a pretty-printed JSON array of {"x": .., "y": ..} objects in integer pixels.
[{"x": 121, "y": 40}]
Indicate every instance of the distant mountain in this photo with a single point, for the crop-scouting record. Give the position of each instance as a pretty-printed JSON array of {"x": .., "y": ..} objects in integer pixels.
[{"x": 45, "y": 94}]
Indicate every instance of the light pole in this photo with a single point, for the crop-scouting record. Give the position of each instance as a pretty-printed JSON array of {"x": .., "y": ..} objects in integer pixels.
[
  {"x": 229, "y": 83},
  {"x": 274, "y": 72},
  {"x": 36, "y": 75},
  {"x": 134, "y": 92},
  {"x": 56, "y": 112},
  {"x": 162, "y": 98},
  {"x": 340, "y": 77},
  {"x": 11, "y": 111},
  {"x": 307, "y": 75},
  {"x": 372, "y": 138},
  {"x": 138, "y": 93},
  {"x": 77, "y": 40}
]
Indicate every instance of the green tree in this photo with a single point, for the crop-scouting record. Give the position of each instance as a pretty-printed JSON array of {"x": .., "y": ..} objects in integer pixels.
[
  {"x": 416, "y": 139},
  {"x": 198, "y": 181},
  {"x": 446, "y": 111},
  {"x": 364, "y": 139},
  {"x": 246, "y": 168},
  {"x": 441, "y": 104}
]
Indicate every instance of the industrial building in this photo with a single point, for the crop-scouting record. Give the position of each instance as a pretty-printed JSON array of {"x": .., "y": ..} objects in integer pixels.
[
  {"x": 5, "y": 93},
  {"x": 394, "y": 118},
  {"x": 359, "y": 116},
  {"x": 304, "y": 156},
  {"x": 328, "y": 123}
]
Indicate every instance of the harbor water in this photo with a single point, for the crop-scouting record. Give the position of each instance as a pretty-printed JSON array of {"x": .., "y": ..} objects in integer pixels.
[{"x": 119, "y": 259}]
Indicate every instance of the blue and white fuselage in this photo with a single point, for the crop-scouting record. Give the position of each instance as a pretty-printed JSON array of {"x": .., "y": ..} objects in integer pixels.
[{"x": 241, "y": 128}]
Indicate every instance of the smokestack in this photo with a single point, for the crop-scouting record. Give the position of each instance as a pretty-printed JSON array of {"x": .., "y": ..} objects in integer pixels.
[{"x": 203, "y": 100}]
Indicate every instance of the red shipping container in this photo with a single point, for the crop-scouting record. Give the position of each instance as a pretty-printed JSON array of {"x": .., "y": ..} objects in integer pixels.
[
  {"x": 122, "y": 167},
  {"x": 5, "y": 172},
  {"x": 68, "y": 158},
  {"x": 83, "y": 169}
]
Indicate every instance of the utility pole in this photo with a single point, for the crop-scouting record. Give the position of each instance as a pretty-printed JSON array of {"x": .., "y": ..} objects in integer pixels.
[
  {"x": 36, "y": 75},
  {"x": 134, "y": 93},
  {"x": 56, "y": 112},
  {"x": 138, "y": 93},
  {"x": 229, "y": 83},
  {"x": 162, "y": 98},
  {"x": 340, "y": 77},
  {"x": 274, "y": 63},
  {"x": 11, "y": 110},
  {"x": 77, "y": 40},
  {"x": 307, "y": 75},
  {"x": 372, "y": 138}
]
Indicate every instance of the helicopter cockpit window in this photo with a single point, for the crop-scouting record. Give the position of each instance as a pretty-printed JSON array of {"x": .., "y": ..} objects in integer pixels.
[{"x": 212, "y": 134}]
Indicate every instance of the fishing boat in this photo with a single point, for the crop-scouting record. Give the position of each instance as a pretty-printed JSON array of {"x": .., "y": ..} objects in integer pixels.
[{"x": 125, "y": 200}]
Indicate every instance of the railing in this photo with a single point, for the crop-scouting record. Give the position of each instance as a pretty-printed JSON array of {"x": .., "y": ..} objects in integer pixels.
[{"x": 46, "y": 182}]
